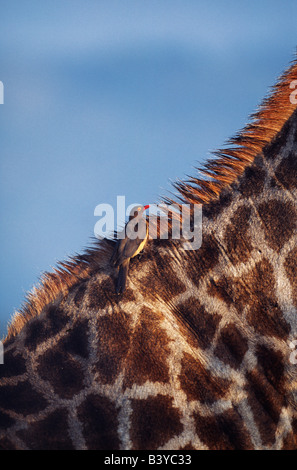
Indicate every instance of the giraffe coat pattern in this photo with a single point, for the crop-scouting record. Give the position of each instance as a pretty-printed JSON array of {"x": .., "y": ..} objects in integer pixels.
[{"x": 195, "y": 353}]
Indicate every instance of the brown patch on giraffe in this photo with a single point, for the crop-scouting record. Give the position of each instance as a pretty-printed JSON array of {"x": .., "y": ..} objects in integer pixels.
[
  {"x": 76, "y": 341},
  {"x": 154, "y": 422},
  {"x": 98, "y": 416},
  {"x": 225, "y": 431},
  {"x": 251, "y": 183},
  {"x": 291, "y": 271},
  {"x": 161, "y": 280},
  {"x": 14, "y": 364},
  {"x": 220, "y": 288},
  {"x": 149, "y": 346},
  {"x": 255, "y": 294},
  {"x": 196, "y": 324},
  {"x": 266, "y": 404},
  {"x": 114, "y": 336},
  {"x": 236, "y": 239},
  {"x": 264, "y": 312},
  {"x": 272, "y": 364},
  {"x": 63, "y": 372},
  {"x": 187, "y": 447},
  {"x": 203, "y": 260},
  {"x": 231, "y": 346},
  {"x": 279, "y": 220},
  {"x": 5, "y": 421},
  {"x": 128, "y": 295},
  {"x": 49, "y": 433},
  {"x": 102, "y": 294},
  {"x": 21, "y": 398},
  {"x": 43, "y": 327},
  {"x": 267, "y": 393},
  {"x": 286, "y": 172},
  {"x": 80, "y": 292},
  {"x": 216, "y": 207},
  {"x": 199, "y": 384}
]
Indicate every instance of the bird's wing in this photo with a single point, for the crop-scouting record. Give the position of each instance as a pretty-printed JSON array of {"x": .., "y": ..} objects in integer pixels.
[
  {"x": 127, "y": 247},
  {"x": 124, "y": 249},
  {"x": 130, "y": 248}
]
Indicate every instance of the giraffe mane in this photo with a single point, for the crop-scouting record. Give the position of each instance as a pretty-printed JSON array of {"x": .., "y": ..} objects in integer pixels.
[
  {"x": 229, "y": 163},
  {"x": 221, "y": 171}
]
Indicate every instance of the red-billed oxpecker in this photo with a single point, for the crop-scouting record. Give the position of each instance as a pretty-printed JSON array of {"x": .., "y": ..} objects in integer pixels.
[{"x": 130, "y": 244}]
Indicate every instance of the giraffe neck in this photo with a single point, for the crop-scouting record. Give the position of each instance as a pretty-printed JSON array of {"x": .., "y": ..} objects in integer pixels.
[{"x": 195, "y": 354}]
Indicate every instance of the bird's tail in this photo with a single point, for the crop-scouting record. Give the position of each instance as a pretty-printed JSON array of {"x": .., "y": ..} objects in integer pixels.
[{"x": 122, "y": 277}]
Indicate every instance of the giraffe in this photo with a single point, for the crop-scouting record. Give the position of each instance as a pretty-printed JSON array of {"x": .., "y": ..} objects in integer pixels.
[{"x": 195, "y": 354}]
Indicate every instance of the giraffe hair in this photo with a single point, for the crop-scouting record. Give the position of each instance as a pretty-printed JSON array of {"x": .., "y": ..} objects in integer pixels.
[
  {"x": 221, "y": 171},
  {"x": 229, "y": 163}
]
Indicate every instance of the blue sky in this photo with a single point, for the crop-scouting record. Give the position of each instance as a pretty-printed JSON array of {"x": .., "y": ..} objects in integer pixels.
[{"x": 107, "y": 98}]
